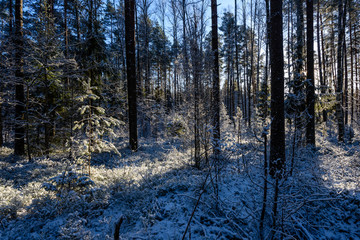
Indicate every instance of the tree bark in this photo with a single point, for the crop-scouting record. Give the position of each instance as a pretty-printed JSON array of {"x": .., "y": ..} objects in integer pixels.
[
  {"x": 216, "y": 79},
  {"x": 131, "y": 72},
  {"x": 322, "y": 80},
  {"x": 239, "y": 96},
  {"x": 310, "y": 87},
  {"x": 324, "y": 63},
  {"x": 345, "y": 65},
  {"x": 185, "y": 53},
  {"x": 277, "y": 145},
  {"x": 19, "y": 86},
  {"x": 340, "y": 75},
  {"x": 298, "y": 78},
  {"x": 351, "y": 69}
]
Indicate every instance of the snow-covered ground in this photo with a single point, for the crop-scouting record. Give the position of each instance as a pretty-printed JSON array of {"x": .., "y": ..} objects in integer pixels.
[{"x": 156, "y": 191}]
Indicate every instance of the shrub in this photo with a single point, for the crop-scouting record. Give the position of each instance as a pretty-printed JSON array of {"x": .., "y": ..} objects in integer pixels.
[{"x": 69, "y": 182}]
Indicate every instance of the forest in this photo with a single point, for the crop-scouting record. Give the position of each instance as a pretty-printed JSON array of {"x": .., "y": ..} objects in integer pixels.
[{"x": 179, "y": 119}]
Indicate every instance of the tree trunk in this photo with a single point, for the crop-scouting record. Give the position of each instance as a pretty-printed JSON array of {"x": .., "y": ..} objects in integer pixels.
[
  {"x": 77, "y": 16},
  {"x": 266, "y": 77},
  {"x": 245, "y": 65},
  {"x": 147, "y": 53},
  {"x": 310, "y": 87},
  {"x": 196, "y": 76},
  {"x": 1, "y": 123},
  {"x": 339, "y": 85},
  {"x": 356, "y": 100},
  {"x": 351, "y": 70},
  {"x": 237, "y": 74},
  {"x": 277, "y": 145},
  {"x": 298, "y": 78},
  {"x": 345, "y": 64},
  {"x": 289, "y": 40},
  {"x": 131, "y": 71},
  {"x": 185, "y": 53},
  {"x": 216, "y": 79},
  {"x": 11, "y": 17},
  {"x": 323, "y": 65},
  {"x": 19, "y": 86},
  {"x": 322, "y": 80},
  {"x": 258, "y": 57},
  {"x": 139, "y": 65},
  {"x": 346, "y": 85}
]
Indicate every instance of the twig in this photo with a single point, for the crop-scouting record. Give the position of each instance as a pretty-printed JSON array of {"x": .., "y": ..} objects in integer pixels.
[
  {"x": 183, "y": 195},
  {"x": 303, "y": 228},
  {"x": 196, "y": 205}
]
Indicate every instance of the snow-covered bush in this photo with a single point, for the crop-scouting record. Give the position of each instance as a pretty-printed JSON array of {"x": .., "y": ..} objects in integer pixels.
[
  {"x": 74, "y": 228},
  {"x": 68, "y": 183},
  {"x": 9, "y": 202}
]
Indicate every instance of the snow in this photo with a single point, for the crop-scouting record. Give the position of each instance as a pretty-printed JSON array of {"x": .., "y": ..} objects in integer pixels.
[{"x": 156, "y": 189}]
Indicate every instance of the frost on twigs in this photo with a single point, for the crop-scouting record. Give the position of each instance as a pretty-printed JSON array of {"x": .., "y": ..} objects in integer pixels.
[
  {"x": 74, "y": 228},
  {"x": 68, "y": 183}
]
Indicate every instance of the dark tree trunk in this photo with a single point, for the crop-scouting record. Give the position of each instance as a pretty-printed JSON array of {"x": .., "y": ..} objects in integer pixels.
[
  {"x": 298, "y": 78},
  {"x": 252, "y": 82},
  {"x": 356, "y": 100},
  {"x": 196, "y": 77},
  {"x": 277, "y": 145},
  {"x": 1, "y": 83},
  {"x": 346, "y": 85},
  {"x": 186, "y": 57},
  {"x": 258, "y": 58},
  {"x": 131, "y": 71},
  {"x": 351, "y": 70},
  {"x": 237, "y": 74},
  {"x": 147, "y": 51},
  {"x": 46, "y": 112},
  {"x": 289, "y": 40},
  {"x": 267, "y": 51},
  {"x": 340, "y": 74},
  {"x": 324, "y": 61},
  {"x": 66, "y": 33},
  {"x": 245, "y": 65},
  {"x": 266, "y": 169},
  {"x": 77, "y": 16},
  {"x": 11, "y": 20},
  {"x": 19, "y": 86},
  {"x": 1, "y": 124},
  {"x": 138, "y": 62},
  {"x": 310, "y": 89},
  {"x": 322, "y": 80},
  {"x": 216, "y": 79},
  {"x": 345, "y": 64}
]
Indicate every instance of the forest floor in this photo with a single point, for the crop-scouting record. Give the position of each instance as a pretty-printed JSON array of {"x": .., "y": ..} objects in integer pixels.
[{"x": 155, "y": 192}]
